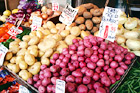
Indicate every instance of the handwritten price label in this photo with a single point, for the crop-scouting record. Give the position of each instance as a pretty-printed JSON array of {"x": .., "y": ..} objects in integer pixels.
[
  {"x": 55, "y": 6},
  {"x": 60, "y": 86},
  {"x": 68, "y": 15},
  {"x": 3, "y": 51},
  {"x": 40, "y": 1},
  {"x": 37, "y": 21},
  {"x": 109, "y": 23},
  {"x": 13, "y": 31},
  {"x": 23, "y": 89}
]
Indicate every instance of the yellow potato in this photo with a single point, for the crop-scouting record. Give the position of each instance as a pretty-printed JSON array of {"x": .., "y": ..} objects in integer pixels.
[
  {"x": 46, "y": 32},
  {"x": 50, "y": 25},
  {"x": 32, "y": 34},
  {"x": 57, "y": 37},
  {"x": 29, "y": 59},
  {"x": 5, "y": 63},
  {"x": 24, "y": 74},
  {"x": 34, "y": 52},
  {"x": 60, "y": 47},
  {"x": 26, "y": 38},
  {"x": 39, "y": 34},
  {"x": 22, "y": 52},
  {"x": 23, "y": 44},
  {"x": 65, "y": 33},
  {"x": 19, "y": 58},
  {"x": 48, "y": 52},
  {"x": 45, "y": 61},
  {"x": 13, "y": 60},
  {"x": 32, "y": 47},
  {"x": 53, "y": 30},
  {"x": 75, "y": 31},
  {"x": 41, "y": 53},
  {"x": 8, "y": 56},
  {"x": 69, "y": 39},
  {"x": 34, "y": 40},
  {"x": 23, "y": 65},
  {"x": 34, "y": 69},
  {"x": 15, "y": 68}
]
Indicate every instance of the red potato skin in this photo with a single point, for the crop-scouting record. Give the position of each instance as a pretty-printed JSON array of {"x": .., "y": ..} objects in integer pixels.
[
  {"x": 100, "y": 90},
  {"x": 106, "y": 81},
  {"x": 82, "y": 89},
  {"x": 77, "y": 74}
]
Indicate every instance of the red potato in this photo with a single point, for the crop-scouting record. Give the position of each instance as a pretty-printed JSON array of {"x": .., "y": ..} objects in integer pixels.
[
  {"x": 106, "y": 81},
  {"x": 65, "y": 71},
  {"x": 70, "y": 87},
  {"x": 89, "y": 73},
  {"x": 80, "y": 53},
  {"x": 78, "y": 80},
  {"x": 52, "y": 61},
  {"x": 95, "y": 52},
  {"x": 112, "y": 53},
  {"x": 127, "y": 62},
  {"x": 82, "y": 89},
  {"x": 81, "y": 47},
  {"x": 113, "y": 80},
  {"x": 100, "y": 63},
  {"x": 36, "y": 77},
  {"x": 76, "y": 64},
  {"x": 103, "y": 74},
  {"x": 100, "y": 90},
  {"x": 88, "y": 52},
  {"x": 88, "y": 60},
  {"x": 120, "y": 70},
  {"x": 74, "y": 57},
  {"x": 81, "y": 59},
  {"x": 62, "y": 78},
  {"x": 71, "y": 67},
  {"x": 117, "y": 77},
  {"x": 111, "y": 72},
  {"x": 82, "y": 64},
  {"x": 86, "y": 80},
  {"x": 97, "y": 85},
  {"x": 77, "y": 74},
  {"x": 84, "y": 69},
  {"x": 95, "y": 48},
  {"x": 124, "y": 66},
  {"x": 35, "y": 85},
  {"x": 95, "y": 76},
  {"x": 72, "y": 47},
  {"x": 70, "y": 78},
  {"x": 106, "y": 67},
  {"x": 53, "y": 80},
  {"x": 49, "y": 88},
  {"x": 41, "y": 72},
  {"x": 45, "y": 70},
  {"x": 106, "y": 57},
  {"x": 98, "y": 69},
  {"x": 54, "y": 68},
  {"x": 91, "y": 91},
  {"x": 101, "y": 56},
  {"x": 114, "y": 64},
  {"x": 106, "y": 52},
  {"x": 103, "y": 45},
  {"x": 91, "y": 65},
  {"x": 30, "y": 81},
  {"x": 56, "y": 74},
  {"x": 41, "y": 76},
  {"x": 41, "y": 89},
  {"x": 38, "y": 83},
  {"x": 61, "y": 56},
  {"x": 118, "y": 58},
  {"x": 94, "y": 58},
  {"x": 58, "y": 61},
  {"x": 101, "y": 51},
  {"x": 63, "y": 65},
  {"x": 68, "y": 55},
  {"x": 55, "y": 56},
  {"x": 47, "y": 74},
  {"x": 90, "y": 86},
  {"x": 43, "y": 67},
  {"x": 46, "y": 81},
  {"x": 65, "y": 59}
]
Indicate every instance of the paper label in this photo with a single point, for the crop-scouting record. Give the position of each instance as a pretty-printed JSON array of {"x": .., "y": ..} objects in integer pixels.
[
  {"x": 60, "y": 86},
  {"x": 37, "y": 21},
  {"x": 23, "y": 89},
  {"x": 68, "y": 15},
  {"x": 109, "y": 23},
  {"x": 14, "y": 31},
  {"x": 55, "y": 6},
  {"x": 3, "y": 51},
  {"x": 40, "y": 1}
]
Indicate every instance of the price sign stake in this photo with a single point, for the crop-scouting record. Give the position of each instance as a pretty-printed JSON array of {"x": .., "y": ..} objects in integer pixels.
[
  {"x": 3, "y": 51},
  {"x": 55, "y": 6},
  {"x": 37, "y": 21},
  {"x": 60, "y": 86},
  {"x": 109, "y": 23},
  {"x": 68, "y": 15}
]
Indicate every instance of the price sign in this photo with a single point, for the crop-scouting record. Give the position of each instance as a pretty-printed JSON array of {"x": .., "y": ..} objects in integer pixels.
[
  {"x": 55, "y": 6},
  {"x": 68, "y": 15},
  {"x": 40, "y": 1},
  {"x": 14, "y": 31},
  {"x": 3, "y": 51},
  {"x": 23, "y": 89},
  {"x": 60, "y": 86},
  {"x": 37, "y": 21},
  {"x": 109, "y": 23}
]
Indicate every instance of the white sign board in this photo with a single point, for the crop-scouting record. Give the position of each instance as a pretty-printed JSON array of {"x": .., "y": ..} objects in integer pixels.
[
  {"x": 60, "y": 86},
  {"x": 3, "y": 51},
  {"x": 37, "y": 21}
]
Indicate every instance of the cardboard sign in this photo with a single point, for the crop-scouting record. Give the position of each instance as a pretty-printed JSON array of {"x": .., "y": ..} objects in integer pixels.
[
  {"x": 37, "y": 21},
  {"x": 40, "y": 1},
  {"x": 68, "y": 15},
  {"x": 3, "y": 51},
  {"x": 14, "y": 31},
  {"x": 109, "y": 23},
  {"x": 60, "y": 86},
  {"x": 55, "y": 6}
]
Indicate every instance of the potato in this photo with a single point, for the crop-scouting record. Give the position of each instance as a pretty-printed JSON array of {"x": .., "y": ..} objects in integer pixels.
[
  {"x": 26, "y": 38},
  {"x": 68, "y": 28},
  {"x": 83, "y": 34},
  {"x": 32, "y": 34},
  {"x": 131, "y": 34},
  {"x": 48, "y": 52},
  {"x": 65, "y": 33},
  {"x": 33, "y": 41},
  {"x": 8, "y": 56},
  {"x": 39, "y": 34},
  {"x": 29, "y": 59},
  {"x": 41, "y": 53},
  {"x": 32, "y": 47},
  {"x": 50, "y": 25},
  {"x": 49, "y": 36},
  {"x": 46, "y": 32},
  {"x": 46, "y": 44},
  {"x": 80, "y": 20},
  {"x": 73, "y": 24},
  {"x": 23, "y": 44},
  {"x": 13, "y": 60},
  {"x": 60, "y": 47},
  {"x": 14, "y": 49},
  {"x": 15, "y": 68},
  {"x": 96, "y": 33},
  {"x": 120, "y": 39},
  {"x": 23, "y": 65},
  {"x": 5, "y": 63},
  {"x": 137, "y": 53},
  {"x": 45, "y": 61},
  {"x": 34, "y": 69},
  {"x": 24, "y": 74},
  {"x": 133, "y": 44},
  {"x": 96, "y": 20},
  {"x": 97, "y": 25},
  {"x": 75, "y": 31},
  {"x": 87, "y": 15},
  {"x": 81, "y": 10},
  {"x": 53, "y": 30},
  {"x": 82, "y": 27},
  {"x": 34, "y": 52},
  {"x": 22, "y": 52},
  {"x": 58, "y": 26},
  {"x": 53, "y": 54},
  {"x": 69, "y": 39},
  {"x": 88, "y": 5},
  {"x": 17, "y": 40},
  {"x": 13, "y": 44},
  {"x": 96, "y": 12},
  {"x": 19, "y": 58},
  {"x": 57, "y": 37},
  {"x": 89, "y": 24},
  {"x": 94, "y": 29},
  {"x": 30, "y": 75}
]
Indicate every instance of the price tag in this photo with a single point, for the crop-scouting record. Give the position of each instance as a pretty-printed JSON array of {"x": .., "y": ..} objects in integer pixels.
[
  {"x": 40, "y": 1},
  {"x": 3, "y": 51},
  {"x": 23, "y": 89},
  {"x": 60, "y": 86},
  {"x": 109, "y": 23},
  {"x": 37, "y": 21},
  {"x": 68, "y": 15},
  {"x": 55, "y": 6},
  {"x": 14, "y": 31}
]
